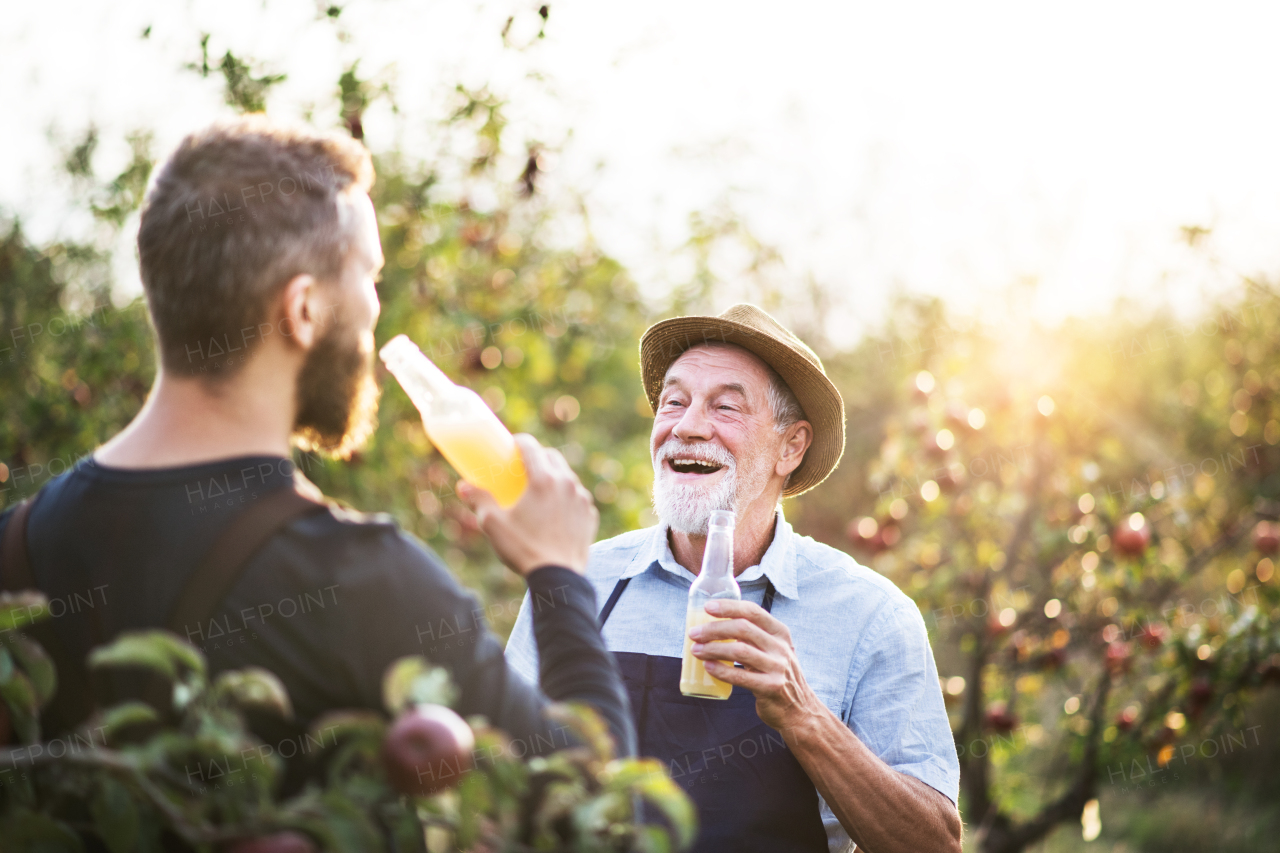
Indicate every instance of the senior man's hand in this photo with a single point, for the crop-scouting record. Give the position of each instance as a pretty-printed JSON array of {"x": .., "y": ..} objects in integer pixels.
[{"x": 770, "y": 668}]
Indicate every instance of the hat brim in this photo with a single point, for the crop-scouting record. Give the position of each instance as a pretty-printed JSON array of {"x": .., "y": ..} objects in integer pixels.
[{"x": 823, "y": 406}]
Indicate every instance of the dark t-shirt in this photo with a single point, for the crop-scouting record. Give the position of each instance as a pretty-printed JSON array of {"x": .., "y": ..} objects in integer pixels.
[{"x": 326, "y": 604}]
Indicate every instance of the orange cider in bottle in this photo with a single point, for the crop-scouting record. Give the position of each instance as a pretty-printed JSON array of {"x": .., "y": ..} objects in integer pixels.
[
  {"x": 459, "y": 423},
  {"x": 715, "y": 580}
]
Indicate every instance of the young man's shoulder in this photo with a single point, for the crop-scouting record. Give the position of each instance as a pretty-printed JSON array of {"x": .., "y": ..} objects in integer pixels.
[{"x": 359, "y": 545}]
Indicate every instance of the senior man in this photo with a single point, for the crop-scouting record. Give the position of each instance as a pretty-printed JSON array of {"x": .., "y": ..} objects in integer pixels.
[{"x": 835, "y": 732}]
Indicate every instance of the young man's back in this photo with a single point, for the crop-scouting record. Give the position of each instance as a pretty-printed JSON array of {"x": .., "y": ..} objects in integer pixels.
[
  {"x": 330, "y": 598},
  {"x": 327, "y": 603}
]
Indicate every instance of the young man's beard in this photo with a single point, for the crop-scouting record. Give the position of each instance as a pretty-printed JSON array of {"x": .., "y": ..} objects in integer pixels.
[{"x": 337, "y": 396}]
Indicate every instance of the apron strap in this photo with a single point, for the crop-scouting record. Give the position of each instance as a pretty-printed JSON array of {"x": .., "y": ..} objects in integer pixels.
[
  {"x": 613, "y": 599},
  {"x": 621, "y": 585}
]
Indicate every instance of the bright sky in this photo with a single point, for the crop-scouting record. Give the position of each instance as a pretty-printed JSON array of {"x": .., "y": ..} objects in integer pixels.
[{"x": 957, "y": 149}]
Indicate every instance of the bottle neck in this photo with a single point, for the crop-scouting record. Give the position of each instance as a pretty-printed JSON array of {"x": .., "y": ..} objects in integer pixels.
[{"x": 717, "y": 556}]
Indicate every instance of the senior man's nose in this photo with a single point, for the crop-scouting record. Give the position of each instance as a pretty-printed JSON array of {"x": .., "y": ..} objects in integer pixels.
[{"x": 693, "y": 425}]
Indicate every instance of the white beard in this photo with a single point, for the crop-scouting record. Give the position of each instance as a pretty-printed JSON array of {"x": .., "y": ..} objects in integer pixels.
[{"x": 687, "y": 508}]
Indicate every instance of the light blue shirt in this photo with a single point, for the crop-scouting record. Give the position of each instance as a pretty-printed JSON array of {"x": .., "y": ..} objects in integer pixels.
[{"x": 861, "y": 642}]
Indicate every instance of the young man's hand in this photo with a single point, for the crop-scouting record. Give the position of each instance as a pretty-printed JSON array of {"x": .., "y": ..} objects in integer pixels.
[{"x": 553, "y": 523}]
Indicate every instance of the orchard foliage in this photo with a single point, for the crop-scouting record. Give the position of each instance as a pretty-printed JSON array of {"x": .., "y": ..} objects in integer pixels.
[
  {"x": 124, "y": 779},
  {"x": 1085, "y": 518},
  {"x": 1086, "y": 515}
]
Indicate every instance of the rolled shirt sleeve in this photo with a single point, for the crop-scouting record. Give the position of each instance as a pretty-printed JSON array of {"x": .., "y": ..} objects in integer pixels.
[{"x": 897, "y": 708}]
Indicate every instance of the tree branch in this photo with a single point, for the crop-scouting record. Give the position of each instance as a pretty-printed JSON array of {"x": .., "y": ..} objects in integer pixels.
[{"x": 1004, "y": 837}]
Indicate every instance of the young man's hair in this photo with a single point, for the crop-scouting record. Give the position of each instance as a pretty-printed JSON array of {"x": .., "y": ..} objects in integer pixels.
[{"x": 239, "y": 209}]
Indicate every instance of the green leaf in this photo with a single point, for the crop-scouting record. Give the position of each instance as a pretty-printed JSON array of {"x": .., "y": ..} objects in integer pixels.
[
  {"x": 32, "y": 657},
  {"x": 350, "y": 829},
  {"x": 6, "y": 665},
  {"x": 342, "y": 725},
  {"x": 413, "y": 681},
  {"x": 587, "y": 725},
  {"x": 255, "y": 687},
  {"x": 397, "y": 681},
  {"x": 474, "y": 803},
  {"x": 22, "y": 608},
  {"x": 595, "y": 815},
  {"x": 405, "y": 828},
  {"x": 159, "y": 651},
  {"x": 115, "y": 816},
  {"x": 126, "y": 715},
  {"x": 648, "y": 778},
  {"x": 652, "y": 839},
  {"x": 23, "y": 708},
  {"x": 37, "y": 833}
]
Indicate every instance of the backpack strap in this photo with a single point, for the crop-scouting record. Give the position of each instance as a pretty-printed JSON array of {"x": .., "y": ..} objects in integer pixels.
[
  {"x": 226, "y": 561},
  {"x": 74, "y": 699},
  {"x": 208, "y": 585}
]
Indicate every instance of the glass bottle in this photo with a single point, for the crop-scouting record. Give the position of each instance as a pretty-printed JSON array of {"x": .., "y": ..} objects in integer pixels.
[
  {"x": 459, "y": 423},
  {"x": 715, "y": 580}
]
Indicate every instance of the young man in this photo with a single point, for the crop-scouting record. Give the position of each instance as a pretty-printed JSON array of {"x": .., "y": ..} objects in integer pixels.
[
  {"x": 259, "y": 252},
  {"x": 836, "y": 729}
]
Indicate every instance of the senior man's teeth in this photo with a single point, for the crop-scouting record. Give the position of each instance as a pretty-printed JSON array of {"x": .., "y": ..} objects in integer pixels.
[{"x": 694, "y": 466}]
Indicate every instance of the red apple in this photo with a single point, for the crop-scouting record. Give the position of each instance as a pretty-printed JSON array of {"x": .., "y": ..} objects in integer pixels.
[
  {"x": 277, "y": 842},
  {"x": 1129, "y": 540},
  {"x": 1153, "y": 635},
  {"x": 1126, "y": 719},
  {"x": 427, "y": 750},
  {"x": 1000, "y": 719},
  {"x": 1117, "y": 656},
  {"x": 1266, "y": 537}
]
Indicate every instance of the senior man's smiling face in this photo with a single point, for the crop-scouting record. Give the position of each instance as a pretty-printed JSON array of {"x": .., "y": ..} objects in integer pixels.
[{"x": 714, "y": 445}]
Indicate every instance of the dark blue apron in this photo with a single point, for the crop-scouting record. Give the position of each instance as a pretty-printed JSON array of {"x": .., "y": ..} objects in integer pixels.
[{"x": 751, "y": 793}]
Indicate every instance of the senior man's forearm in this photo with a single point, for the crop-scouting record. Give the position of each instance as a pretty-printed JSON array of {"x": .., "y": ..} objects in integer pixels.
[{"x": 883, "y": 811}]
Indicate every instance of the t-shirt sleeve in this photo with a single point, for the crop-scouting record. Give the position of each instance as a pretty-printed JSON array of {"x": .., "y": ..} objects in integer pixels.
[{"x": 897, "y": 708}]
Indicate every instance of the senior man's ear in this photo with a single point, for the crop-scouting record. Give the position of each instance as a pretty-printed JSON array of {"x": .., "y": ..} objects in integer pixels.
[{"x": 796, "y": 441}]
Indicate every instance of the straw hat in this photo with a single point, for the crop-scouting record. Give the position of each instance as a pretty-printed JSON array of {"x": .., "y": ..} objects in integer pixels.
[{"x": 753, "y": 329}]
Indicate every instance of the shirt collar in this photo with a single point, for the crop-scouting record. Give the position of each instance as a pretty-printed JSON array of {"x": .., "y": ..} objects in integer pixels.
[{"x": 778, "y": 563}]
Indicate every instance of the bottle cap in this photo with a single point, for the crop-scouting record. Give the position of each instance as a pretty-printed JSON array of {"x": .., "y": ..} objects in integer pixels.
[{"x": 721, "y": 519}]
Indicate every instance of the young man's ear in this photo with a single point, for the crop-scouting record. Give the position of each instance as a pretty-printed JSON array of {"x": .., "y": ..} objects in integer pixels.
[{"x": 299, "y": 320}]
